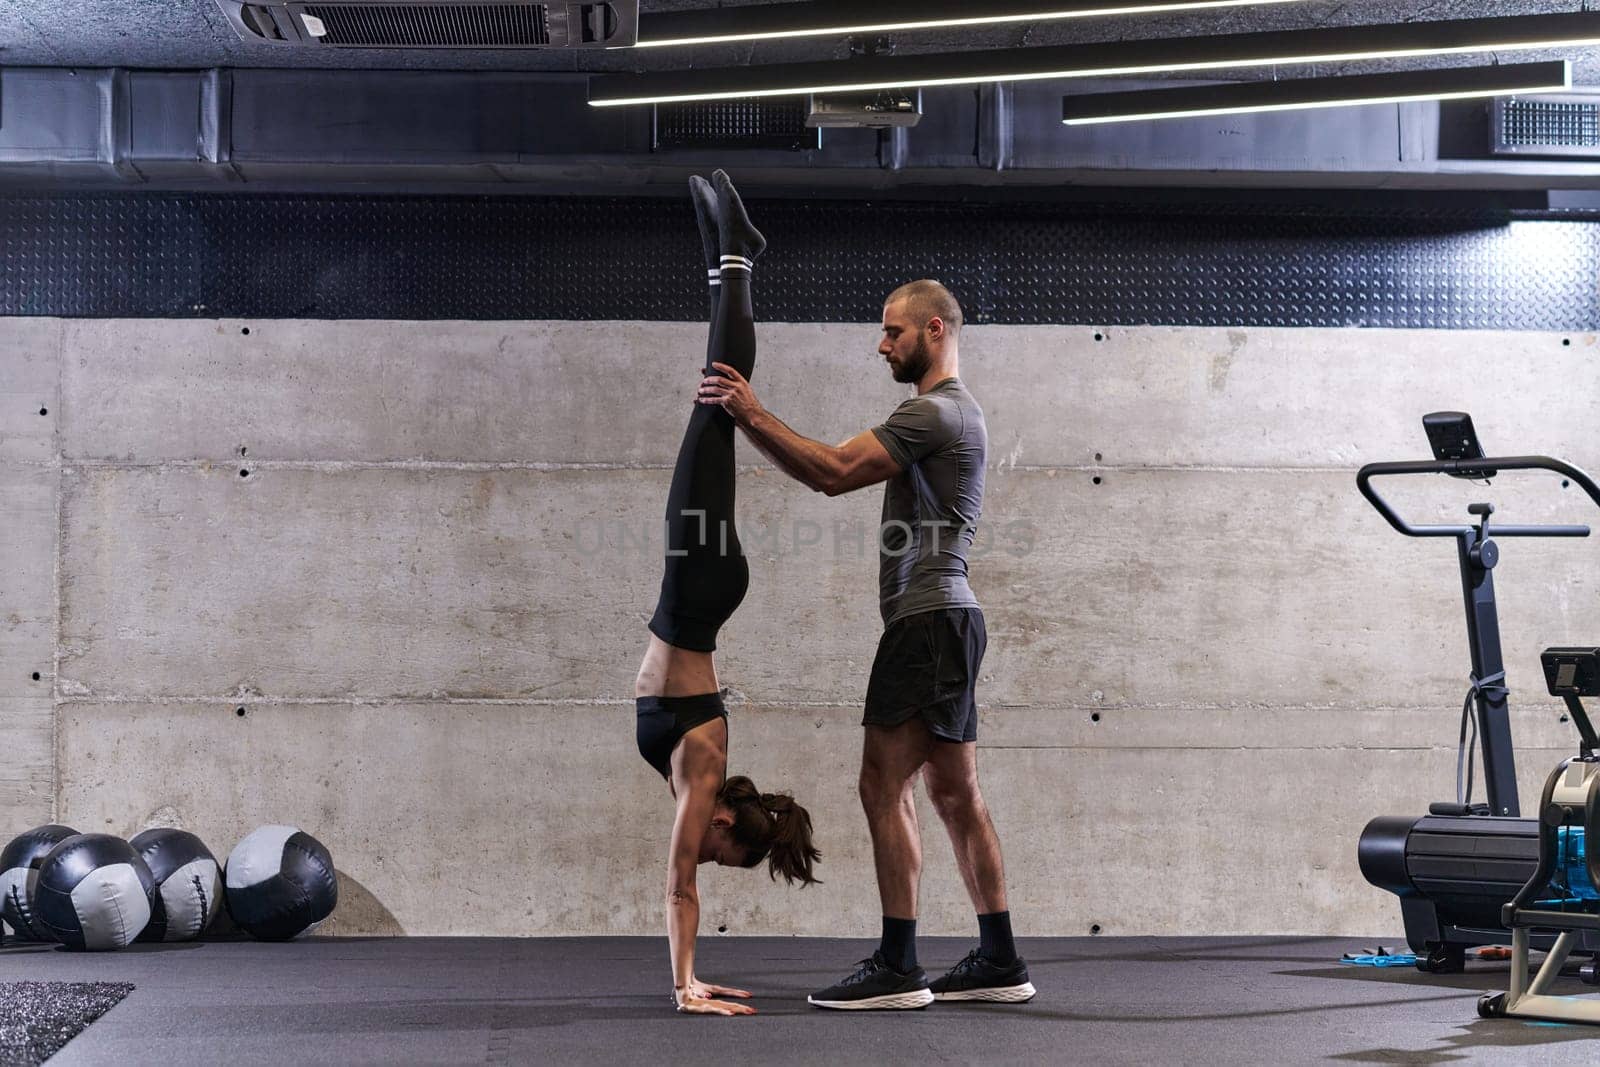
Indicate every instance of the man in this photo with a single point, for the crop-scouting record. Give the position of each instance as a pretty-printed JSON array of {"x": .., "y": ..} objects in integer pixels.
[{"x": 921, "y": 712}]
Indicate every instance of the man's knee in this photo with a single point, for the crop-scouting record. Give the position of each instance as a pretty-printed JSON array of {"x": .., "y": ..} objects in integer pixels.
[
  {"x": 867, "y": 787},
  {"x": 954, "y": 797},
  {"x": 877, "y": 791}
]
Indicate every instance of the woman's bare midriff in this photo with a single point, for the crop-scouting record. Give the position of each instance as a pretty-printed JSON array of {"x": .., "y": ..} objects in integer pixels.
[{"x": 669, "y": 671}]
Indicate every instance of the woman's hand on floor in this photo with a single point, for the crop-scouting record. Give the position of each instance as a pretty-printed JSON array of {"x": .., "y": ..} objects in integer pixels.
[
  {"x": 707, "y": 990},
  {"x": 694, "y": 1005}
]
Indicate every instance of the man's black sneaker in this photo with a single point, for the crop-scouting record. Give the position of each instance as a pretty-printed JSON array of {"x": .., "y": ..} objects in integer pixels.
[
  {"x": 978, "y": 978},
  {"x": 876, "y": 986}
]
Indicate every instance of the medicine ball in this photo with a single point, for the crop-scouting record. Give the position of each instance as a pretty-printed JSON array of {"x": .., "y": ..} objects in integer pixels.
[
  {"x": 18, "y": 876},
  {"x": 188, "y": 884},
  {"x": 94, "y": 892},
  {"x": 279, "y": 882}
]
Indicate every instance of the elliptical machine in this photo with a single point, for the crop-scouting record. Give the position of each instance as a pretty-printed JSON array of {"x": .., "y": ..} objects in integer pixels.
[{"x": 1455, "y": 868}]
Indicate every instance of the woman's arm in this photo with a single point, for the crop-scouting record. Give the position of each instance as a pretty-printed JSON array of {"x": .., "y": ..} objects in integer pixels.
[{"x": 697, "y": 798}]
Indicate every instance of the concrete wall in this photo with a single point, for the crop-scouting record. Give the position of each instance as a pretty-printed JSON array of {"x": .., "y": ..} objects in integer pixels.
[{"x": 388, "y": 581}]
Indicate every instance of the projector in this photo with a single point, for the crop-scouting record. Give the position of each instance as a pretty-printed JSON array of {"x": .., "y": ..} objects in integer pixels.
[{"x": 876, "y": 110}]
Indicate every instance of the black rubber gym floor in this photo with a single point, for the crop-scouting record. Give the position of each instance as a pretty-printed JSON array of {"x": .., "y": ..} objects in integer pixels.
[{"x": 605, "y": 1000}]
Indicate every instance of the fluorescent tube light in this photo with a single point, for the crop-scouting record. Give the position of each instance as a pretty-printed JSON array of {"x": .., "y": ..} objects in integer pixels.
[
  {"x": 862, "y": 74},
  {"x": 1452, "y": 84},
  {"x": 833, "y": 18}
]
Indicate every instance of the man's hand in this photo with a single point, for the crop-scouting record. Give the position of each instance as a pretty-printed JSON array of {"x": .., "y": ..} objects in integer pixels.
[{"x": 732, "y": 392}]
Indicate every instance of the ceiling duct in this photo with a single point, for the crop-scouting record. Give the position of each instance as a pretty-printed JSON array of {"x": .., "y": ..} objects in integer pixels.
[
  {"x": 1549, "y": 124},
  {"x": 435, "y": 24}
]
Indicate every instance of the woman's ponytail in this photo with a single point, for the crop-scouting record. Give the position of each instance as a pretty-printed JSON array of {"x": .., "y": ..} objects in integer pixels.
[
  {"x": 793, "y": 853},
  {"x": 771, "y": 827}
]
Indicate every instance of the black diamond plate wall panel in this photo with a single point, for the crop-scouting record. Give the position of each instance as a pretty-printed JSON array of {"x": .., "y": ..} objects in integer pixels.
[{"x": 435, "y": 257}]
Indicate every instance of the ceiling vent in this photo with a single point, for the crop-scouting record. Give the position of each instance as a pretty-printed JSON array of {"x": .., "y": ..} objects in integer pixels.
[
  {"x": 716, "y": 124},
  {"x": 1556, "y": 124},
  {"x": 436, "y": 24}
]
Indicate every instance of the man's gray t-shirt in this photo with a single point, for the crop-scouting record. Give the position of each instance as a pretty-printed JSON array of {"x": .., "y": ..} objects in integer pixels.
[{"x": 931, "y": 508}]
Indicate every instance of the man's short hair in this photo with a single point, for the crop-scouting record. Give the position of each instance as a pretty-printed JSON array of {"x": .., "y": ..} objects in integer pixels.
[{"x": 927, "y": 300}]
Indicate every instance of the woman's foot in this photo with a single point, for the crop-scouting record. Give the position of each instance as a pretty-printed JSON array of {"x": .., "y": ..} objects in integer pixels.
[
  {"x": 704, "y": 198},
  {"x": 739, "y": 239}
]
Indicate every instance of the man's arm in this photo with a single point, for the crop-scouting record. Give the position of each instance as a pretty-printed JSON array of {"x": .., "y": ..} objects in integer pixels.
[
  {"x": 776, "y": 460},
  {"x": 858, "y": 462}
]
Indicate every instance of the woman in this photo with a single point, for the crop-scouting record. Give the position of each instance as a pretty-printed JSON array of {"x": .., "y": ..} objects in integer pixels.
[{"x": 682, "y": 725}]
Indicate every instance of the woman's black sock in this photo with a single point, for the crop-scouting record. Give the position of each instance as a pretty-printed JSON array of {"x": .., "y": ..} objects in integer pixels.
[
  {"x": 704, "y": 198},
  {"x": 739, "y": 238}
]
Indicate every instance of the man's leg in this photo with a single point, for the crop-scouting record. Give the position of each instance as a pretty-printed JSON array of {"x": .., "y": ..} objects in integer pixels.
[
  {"x": 891, "y": 756},
  {"x": 952, "y": 780},
  {"x": 994, "y": 972}
]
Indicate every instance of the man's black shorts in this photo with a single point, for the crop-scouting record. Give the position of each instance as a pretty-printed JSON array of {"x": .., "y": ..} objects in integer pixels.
[{"x": 927, "y": 667}]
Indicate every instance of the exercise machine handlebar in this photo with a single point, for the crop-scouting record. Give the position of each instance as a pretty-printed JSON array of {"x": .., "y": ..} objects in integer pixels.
[{"x": 1468, "y": 467}]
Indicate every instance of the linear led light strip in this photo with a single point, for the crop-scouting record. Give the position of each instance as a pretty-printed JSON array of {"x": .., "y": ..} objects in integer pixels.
[
  {"x": 769, "y": 22},
  {"x": 1517, "y": 33},
  {"x": 1453, "y": 84}
]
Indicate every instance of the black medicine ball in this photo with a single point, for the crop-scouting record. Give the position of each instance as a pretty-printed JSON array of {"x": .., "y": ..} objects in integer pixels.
[
  {"x": 94, "y": 892},
  {"x": 188, "y": 884},
  {"x": 18, "y": 875},
  {"x": 279, "y": 882}
]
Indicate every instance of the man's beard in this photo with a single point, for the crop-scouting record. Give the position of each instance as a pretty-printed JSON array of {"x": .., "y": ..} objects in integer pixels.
[{"x": 917, "y": 363}]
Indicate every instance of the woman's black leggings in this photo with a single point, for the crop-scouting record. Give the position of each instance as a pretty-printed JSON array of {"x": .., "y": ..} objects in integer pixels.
[{"x": 706, "y": 574}]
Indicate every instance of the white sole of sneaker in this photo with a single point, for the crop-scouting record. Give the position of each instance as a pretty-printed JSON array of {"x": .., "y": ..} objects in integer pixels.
[
  {"x": 917, "y": 998},
  {"x": 1011, "y": 994}
]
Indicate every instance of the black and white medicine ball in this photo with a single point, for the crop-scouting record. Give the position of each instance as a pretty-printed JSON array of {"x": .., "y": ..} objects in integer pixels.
[
  {"x": 279, "y": 882},
  {"x": 18, "y": 876},
  {"x": 94, "y": 892},
  {"x": 188, "y": 884}
]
